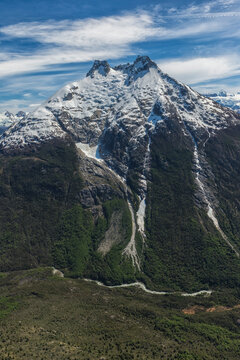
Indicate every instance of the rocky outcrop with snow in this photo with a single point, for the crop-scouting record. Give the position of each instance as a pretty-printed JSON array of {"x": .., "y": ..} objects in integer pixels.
[{"x": 7, "y": 119}]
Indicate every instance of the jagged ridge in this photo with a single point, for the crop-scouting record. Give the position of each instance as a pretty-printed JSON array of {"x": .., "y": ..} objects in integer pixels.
[
  {"x": 7, "y": 119},
  {"x": 131, "y": 97}
]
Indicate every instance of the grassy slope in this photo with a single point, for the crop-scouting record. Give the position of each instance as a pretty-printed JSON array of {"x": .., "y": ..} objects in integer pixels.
[{"x": 54, "y": 318}]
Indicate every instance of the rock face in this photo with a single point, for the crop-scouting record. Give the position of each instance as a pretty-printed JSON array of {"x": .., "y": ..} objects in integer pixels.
[
  {"x": 144, "y": 147},
  {"x": 101, "y": 184}
]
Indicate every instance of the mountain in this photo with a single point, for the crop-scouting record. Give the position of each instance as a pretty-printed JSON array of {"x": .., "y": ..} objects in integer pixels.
[
  {"x": 7, "y": 119},
  {"x": 136, "y": 95},
  {"x": 124, "y": 175},
  {"x": 226, "y": 99}
]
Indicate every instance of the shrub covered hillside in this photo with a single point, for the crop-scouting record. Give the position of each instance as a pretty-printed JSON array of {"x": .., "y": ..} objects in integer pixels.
[
  {"x": 184, "y": 248},
  {"x": 42, "y": 221},
  {"x": 84, "y": 321}
]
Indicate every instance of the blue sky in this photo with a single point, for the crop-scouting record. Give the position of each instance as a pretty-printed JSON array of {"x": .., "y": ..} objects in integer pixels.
[{"x": 48, "y": 43}]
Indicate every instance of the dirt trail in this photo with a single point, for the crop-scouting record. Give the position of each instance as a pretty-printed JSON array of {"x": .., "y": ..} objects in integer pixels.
[{"x": 218, "y": 308}]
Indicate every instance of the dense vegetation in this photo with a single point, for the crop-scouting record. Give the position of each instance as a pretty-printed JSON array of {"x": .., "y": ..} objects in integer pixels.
[
  {"x": 76, "y": 250},
  {"x": 223, "y": 155},
  {"x": 71, "y": 250},
  {"x": 113, "y": 268},
  {"x": 42, "y": 221},
  {"x": 44, "y": 317},
  {"x": 35, "y": 189},
  {"x": 184, "y": 249}
]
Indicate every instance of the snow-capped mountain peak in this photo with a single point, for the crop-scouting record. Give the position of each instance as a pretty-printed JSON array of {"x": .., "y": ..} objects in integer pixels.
[
  {"x": 7, "y": 119},
  {"x": 131, "y": 98},
  {"x": 9, "y": 115},
  {"x": 141, "y": 66},
  {"x": 21, "y": 114},
  {"x": 99, "y": 67}
]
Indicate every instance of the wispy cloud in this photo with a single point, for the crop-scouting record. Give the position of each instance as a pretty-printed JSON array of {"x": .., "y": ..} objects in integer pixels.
[
  {"x": 57, "y": 43},
  {"x": 208, "y": 9},
  {"x": 14, "y": 105},
  {"x": 84, "y": 40},
  {"x": 37, "y": 88},
  {"x": 200, "y": 69},
  {"x": 42, "y": 60},
  {"x": 75, "y": 41},
  {"x": 107, "y": 31}
]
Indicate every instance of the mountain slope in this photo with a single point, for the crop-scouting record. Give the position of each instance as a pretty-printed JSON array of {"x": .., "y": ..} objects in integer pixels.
[{"x": 142, "y": 156}]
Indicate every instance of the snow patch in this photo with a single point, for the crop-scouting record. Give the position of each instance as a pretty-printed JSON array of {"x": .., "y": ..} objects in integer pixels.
[
  {"x": 143, "y": 182},
  {"x": 90, "y": 151},
  {"x": 130, "y": 250},
  {"x": 141, "y": 217}
]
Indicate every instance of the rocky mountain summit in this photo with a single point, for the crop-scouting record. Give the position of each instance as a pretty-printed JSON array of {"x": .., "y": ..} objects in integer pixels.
[
  {"x": 138, "y": 97},
  {"x": 140, "y": 175}
]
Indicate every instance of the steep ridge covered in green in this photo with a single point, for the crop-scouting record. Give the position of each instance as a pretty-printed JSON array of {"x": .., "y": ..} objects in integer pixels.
[
  {"x": 184, "y": 248},
  {"x": 36, "y": 188},
  {"x": 222, "y": 153},
  {"x": 42, "y": 221}
]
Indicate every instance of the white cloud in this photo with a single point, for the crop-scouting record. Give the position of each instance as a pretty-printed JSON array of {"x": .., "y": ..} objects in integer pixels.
[
  {"x": 112, "y": 37},
  {"x": 201, "y": 69},
  {"x": 117, "y": 30},
  {"x": 207, "y": 10},
  {"x": 42, "y": 60},
  {"x": 216, "y": 87},
  {"x": 14, "y": 105},
  {"x": 34, "y": 105},
  {"x": 86, "y": 33},
  {"x": 76, "y": 41}
]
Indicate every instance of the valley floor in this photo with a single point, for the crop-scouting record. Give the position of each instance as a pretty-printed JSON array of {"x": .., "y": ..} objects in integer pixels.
[{"x": 47, "y": 317}]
